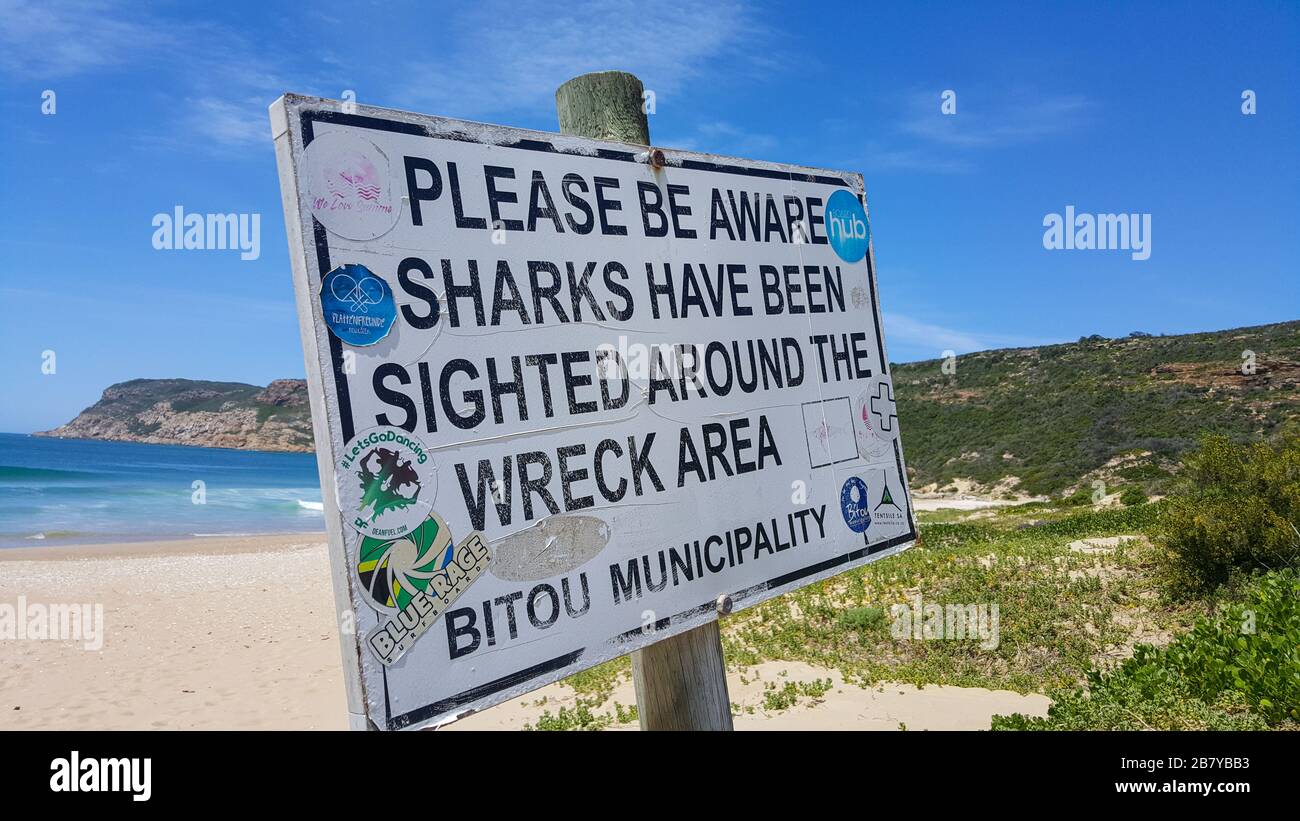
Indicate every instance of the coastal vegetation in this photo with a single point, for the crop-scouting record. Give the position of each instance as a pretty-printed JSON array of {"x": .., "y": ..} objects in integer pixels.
[{"x": 1182, "y": 613}]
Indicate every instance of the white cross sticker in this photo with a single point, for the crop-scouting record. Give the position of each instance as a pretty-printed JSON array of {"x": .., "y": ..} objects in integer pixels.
[{"x": 883, "y": 407}]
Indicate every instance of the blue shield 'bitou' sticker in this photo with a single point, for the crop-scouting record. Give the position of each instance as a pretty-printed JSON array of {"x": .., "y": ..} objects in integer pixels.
[
  {"x": 358, "y": 306},
  {"x": 854, "y": 505},
  {"x": 846, "y": 225}
]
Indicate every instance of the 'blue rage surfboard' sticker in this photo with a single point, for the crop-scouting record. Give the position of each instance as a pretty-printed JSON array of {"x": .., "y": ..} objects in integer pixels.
[{"x": 358, "y": 306}]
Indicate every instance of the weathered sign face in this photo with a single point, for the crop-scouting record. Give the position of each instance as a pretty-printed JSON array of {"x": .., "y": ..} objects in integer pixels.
[{"x": 564, "y": 400}]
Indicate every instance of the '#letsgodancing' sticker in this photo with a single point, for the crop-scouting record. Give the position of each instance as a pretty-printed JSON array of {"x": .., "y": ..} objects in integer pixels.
[
  {"x": 387, "y": 482},
  {"x": 358, "y": 306},
  {"x": 854, "y": 505},
  {"x": 413, "y": 580}
]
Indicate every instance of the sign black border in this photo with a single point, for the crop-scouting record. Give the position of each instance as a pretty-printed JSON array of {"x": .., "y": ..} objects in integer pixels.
[{"x": 308, "y": 118}]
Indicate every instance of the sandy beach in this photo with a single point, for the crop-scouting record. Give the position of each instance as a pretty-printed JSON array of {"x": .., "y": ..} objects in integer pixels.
[{"x": 239, "y": 633}]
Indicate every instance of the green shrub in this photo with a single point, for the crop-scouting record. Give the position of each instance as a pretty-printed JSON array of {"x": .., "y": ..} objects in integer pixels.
[
  {"x": 1132, "y": 495},
  {"x": 1144, "y": 472},
  {"x": 1079, "y": 498},
  {"x": 1239, "y": 670},
  {"x": 862, "y": 618},
  {"x": 783, "y": 698},
  {"x": 580, "y": 717},
  {"x": 1237, "y": 508},
  {"x": 1104, "y": 521},
  {"x": 1126, "y": 705}
]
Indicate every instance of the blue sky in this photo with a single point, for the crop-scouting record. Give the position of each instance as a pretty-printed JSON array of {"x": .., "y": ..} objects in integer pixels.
[{"x": 1115, "y": 108}]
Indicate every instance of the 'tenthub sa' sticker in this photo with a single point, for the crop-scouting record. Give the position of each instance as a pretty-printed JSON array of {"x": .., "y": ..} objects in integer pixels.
[{"x": 358, "y": 306}]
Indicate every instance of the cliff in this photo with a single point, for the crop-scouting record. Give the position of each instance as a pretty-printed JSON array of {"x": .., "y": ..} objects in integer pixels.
[{"x": 205, "y": 414}]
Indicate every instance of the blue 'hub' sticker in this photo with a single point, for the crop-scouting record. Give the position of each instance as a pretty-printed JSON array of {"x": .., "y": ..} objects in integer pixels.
[{"x": 846, "y": 225}]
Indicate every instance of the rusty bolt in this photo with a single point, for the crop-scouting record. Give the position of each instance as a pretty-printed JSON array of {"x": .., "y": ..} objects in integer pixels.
[{"x": 657, "y": 160}]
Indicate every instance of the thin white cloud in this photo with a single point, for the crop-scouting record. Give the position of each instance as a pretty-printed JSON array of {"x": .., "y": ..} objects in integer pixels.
[
  {"x": 926, "y": 139},
  {"x": 228, "y": 79},
  {"x": 51, "y": 39},
  {"x": 883, "y": 156},
  {"x": 723, "y": 138},
  {"x": 914, "y": 332},
  {"x": 512, "y": 57},
  {"x": 497, "y": 58},
  {"x": 230, "y": 122},
  {"x": 1003, "y": 123},
  {"x": 904, "y": 330}
]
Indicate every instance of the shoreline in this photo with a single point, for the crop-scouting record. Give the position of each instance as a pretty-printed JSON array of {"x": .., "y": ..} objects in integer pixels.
[
  {"x": 50, "y": 434},
  {"x": 216, "y": 544}
]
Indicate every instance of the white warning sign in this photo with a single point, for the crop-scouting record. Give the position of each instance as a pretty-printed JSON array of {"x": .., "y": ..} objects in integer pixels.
[{"x": 619, "y": 391}]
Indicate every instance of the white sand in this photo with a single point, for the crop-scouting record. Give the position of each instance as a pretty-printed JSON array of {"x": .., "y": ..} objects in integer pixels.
[
  {"x": 203, "y": 634},
  {"x": 843, "y": 707},
  {"x": 239, "y": 633},
  {"x": 950, "y": 503}
]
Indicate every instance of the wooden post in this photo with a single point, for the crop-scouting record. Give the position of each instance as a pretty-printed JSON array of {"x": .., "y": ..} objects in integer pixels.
[
  {"x": 606, "y": 105},
  {"x": 681, "y": 682}
]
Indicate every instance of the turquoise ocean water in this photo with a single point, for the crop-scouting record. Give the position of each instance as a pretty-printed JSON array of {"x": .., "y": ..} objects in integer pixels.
[{"x": 69, "y": 491}]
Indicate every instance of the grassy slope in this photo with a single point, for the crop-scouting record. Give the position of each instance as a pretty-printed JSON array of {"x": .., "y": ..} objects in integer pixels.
[
  {"x": 1061, "y": 610},
  {"x": 1050, "y": 415}
]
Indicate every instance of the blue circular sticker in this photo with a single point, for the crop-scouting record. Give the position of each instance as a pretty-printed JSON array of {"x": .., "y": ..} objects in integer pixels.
[
  {"x": 358, "y": 306},
  {"x": 854, "y": 506},
  {"x": 846, "y": 225}
]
